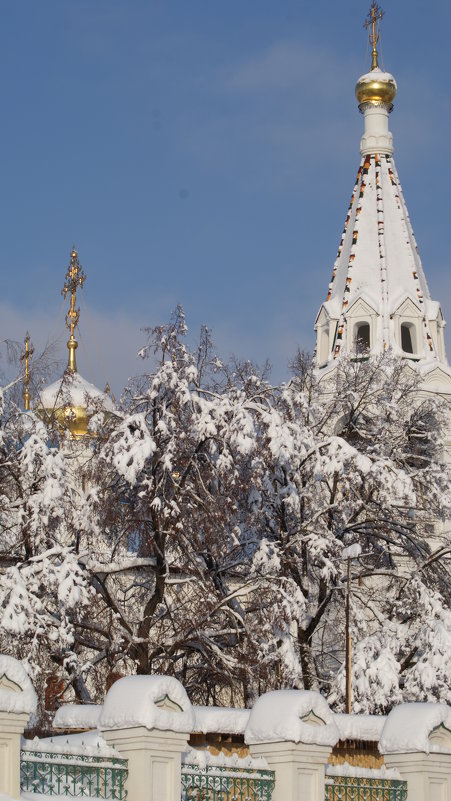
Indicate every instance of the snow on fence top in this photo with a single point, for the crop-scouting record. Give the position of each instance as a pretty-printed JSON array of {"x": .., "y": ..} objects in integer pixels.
[
  {"x": 90, "y": 743},
  {"x": 299, "y": 716},
  {"x": 156, "y": 702},
  {"x": 363, "y": 773},
  {"x": 77, "y": 716},
  {"x": 221, "y": 719},
  {"x": 360, "y": 727},
  {"x": 17, "y": 693},
  {"x": 417, "y": 727}
]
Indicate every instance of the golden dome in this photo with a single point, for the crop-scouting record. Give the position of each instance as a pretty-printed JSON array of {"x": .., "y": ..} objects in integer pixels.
[
  {"x": 71, "y": 402},
  {"x": 376, "y": 87}
]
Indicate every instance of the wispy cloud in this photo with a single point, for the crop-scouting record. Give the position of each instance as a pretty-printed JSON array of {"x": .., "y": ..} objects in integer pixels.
[{"x": 287, "y": 65}]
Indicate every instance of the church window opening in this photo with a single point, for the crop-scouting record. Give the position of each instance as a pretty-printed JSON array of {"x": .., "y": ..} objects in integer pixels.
[
  {"x": 408, "y": 338},
  {"x": 362, "y": 338},
  {"x": 324, "y": 345}
]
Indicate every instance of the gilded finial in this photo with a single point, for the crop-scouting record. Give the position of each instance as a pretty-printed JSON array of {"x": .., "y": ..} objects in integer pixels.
[
  {"x": 75, "y": 277},
  {"x": 25, "y": 357},
  {"x": 375, "y": 14}
]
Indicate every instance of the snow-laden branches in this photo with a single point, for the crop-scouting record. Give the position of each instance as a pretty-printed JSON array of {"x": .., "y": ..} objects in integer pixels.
[{"x": 201, "y": 532}]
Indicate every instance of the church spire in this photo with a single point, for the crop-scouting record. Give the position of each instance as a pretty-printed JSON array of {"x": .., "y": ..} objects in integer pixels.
[
  {"x": 75, "y": 277},
  {"x": 378, "y": 297}
]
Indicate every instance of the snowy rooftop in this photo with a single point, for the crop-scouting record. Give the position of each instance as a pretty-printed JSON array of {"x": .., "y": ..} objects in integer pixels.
[
  {"x": 73, "y": 390},
  {"x": 17, "y": 693},
  {"x": 417, "y": 727},
  {"x": 77, "y": 716},
  {"x": 158, "y": 702},
  {"x": 360, "y": 727},
  {"x": 220, "y": 719},
  {"x": 292, "y": 715}
]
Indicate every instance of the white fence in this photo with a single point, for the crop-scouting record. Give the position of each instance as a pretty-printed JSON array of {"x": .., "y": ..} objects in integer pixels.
[{"x": 292, "y": 734}]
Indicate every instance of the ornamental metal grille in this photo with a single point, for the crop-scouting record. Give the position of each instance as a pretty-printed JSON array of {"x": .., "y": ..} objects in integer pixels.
[
  {"x": 218, "y": 783},
  {"x": 353, "y": 788},
  {"x": 73, "y": 775}
]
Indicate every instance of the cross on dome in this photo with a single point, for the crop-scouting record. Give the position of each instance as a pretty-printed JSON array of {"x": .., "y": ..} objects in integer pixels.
[
  {"x": 375, "y": 14},
  {"x": 75, "y": 277},
  {"x": 25, "y": 358}
]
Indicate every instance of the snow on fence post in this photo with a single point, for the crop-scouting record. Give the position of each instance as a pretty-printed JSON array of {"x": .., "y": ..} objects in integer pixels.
[
  {"x": 148, "y": 719},
  {"x": 294, "y": 731},
  {"x": 17, "y": 702},
  {"x": 416, "y": 740}
]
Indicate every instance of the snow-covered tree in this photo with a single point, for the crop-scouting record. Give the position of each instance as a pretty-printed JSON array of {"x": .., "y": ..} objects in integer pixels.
[
  {"x": 358, "y": 458},
  {"x": 44, "y": 593},
  {"x": 201, "y": 531}
]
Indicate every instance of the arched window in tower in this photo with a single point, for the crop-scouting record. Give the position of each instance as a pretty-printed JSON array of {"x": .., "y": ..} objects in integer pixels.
[
  {"x": 408, "y": 339},
  {"x": 324, "y": 345},
  {"x": 362, "y": 338}
]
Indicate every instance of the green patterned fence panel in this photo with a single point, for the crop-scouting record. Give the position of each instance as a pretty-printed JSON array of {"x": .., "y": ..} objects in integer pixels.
[
  {"x": 350, "y": 788},
  {"x": 73, "y": 775},
  {"x": 218, "y": 783}
]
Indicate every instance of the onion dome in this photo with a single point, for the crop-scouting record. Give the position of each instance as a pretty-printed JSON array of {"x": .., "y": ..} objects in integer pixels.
[
  {"x": 72, "y": 401},
  {"x": 376, "y": 87}
]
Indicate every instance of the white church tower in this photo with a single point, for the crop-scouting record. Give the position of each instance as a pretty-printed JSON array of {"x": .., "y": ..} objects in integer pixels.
[{"x": 378, "y": 297}]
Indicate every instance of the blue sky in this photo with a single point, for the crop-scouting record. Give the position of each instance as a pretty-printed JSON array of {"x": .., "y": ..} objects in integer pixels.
[{"x": 203, "y": 152}]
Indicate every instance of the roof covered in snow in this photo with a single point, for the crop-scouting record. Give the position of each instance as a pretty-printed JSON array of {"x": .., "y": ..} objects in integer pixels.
[
  {"x": 17, "y": 693},
  {"x": 77, "y": 716},
  {"x": 220, "y": 719},
  {"x": 420, "y": 727},
  {"x": 299, "y": 716},
  {"x": 73, "y": 390},
  {"x": 158, "y": 702},
  {"x": 360, "y": 727}
]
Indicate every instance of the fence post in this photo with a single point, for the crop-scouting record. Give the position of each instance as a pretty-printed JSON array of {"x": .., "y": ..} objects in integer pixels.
[
  {"x": 299, "y": 769},
  {"x": 428, "y": 776},
  {"x": 148, "y": 719},
  {"x": 294, "y": 730},
  {"x": 12, "y": 727},
  {"x": 17, "y": 701},
  {"x": 154, "y": 762},
  {"x": 416, "y": 740}
]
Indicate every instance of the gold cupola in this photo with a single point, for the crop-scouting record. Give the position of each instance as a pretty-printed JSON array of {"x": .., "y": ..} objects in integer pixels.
[
  {"x": 71, "y": 402},
  {"x": 375, "y": 87}
]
